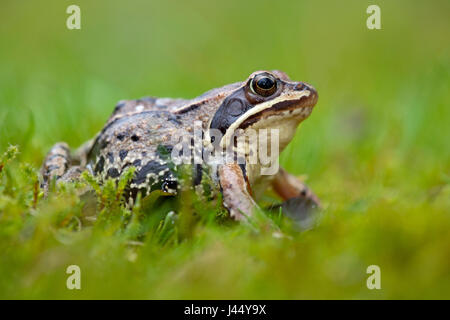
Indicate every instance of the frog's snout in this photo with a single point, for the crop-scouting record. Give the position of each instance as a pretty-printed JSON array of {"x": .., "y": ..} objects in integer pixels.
[{"x": 313, "y": 96}]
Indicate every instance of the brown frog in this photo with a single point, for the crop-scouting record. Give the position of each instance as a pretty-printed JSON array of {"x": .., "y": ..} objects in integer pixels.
[{"x": 143, "y": 133}]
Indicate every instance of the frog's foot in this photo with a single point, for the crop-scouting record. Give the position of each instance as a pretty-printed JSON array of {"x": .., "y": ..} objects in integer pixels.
[
  {"x": 302, "y": 211},
  {"x": 300, "y": 202},
  {"x": 58, "y": 165}
]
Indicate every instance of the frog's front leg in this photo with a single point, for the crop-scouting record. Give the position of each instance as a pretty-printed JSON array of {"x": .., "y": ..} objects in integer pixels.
[
  {"x": 238, "y": 200},
  {"x": 59, "y": 165},
  {"x": 236, "y": 192},
  {"x": 298, "y": 198}
]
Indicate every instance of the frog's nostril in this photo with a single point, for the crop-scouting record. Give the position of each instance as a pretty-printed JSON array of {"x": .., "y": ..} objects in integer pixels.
[{"x": 299, "y": 86}]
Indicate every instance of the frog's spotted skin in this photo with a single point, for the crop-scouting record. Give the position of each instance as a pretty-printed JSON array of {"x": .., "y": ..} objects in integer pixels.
[
  {"x": 139, "y": 133},
  {"x": 130, "y": 140},
  {"x": 136, "y": 134}
]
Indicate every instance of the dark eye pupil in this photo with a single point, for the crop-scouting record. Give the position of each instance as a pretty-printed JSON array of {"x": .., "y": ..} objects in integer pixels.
[{"x": 265, "y": 83}]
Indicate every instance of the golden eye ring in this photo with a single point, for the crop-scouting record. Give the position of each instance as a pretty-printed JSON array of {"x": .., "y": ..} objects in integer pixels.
[{"x": 264, "y": 85}]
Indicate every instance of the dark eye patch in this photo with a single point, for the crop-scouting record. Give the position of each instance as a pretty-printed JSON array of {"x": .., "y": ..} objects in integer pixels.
[
  {"x": 242, "y": 100},
  {"x": 234, "y": 106}
]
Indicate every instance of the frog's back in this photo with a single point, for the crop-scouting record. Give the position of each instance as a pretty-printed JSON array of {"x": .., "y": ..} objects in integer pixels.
[
  {"x": 137, "y": 134},
  {"x": 139, "y": 131},
  {"x": 127, "y": 107}
]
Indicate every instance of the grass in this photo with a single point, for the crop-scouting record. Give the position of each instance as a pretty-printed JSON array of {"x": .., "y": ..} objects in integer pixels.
[{"x": 376, "y": 149}]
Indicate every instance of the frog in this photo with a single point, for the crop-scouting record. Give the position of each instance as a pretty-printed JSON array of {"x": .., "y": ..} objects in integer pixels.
[{"x": 139, "y": 133}]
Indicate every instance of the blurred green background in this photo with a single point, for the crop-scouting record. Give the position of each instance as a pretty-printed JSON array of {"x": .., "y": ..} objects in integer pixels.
[{"x": 376, "y": 149}]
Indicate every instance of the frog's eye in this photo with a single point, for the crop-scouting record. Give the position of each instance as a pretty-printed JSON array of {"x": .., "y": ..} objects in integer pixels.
[{"x": 264, "y": 85}]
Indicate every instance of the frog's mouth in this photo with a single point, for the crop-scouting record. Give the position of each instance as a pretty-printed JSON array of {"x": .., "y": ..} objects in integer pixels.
[
  {"x": 293, "y": 105},
  {"x": 296, "y": 108}
]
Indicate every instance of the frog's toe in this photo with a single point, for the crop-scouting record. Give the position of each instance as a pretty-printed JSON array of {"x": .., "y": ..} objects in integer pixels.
[{"x": 58, "y": 166}]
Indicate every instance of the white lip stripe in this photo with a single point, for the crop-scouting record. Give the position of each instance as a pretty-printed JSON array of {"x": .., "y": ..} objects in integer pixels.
[{"x": 293, "y": 95}]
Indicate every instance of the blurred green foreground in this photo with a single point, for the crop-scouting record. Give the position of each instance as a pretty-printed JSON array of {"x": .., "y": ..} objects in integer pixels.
[{"x": 376, "y": 149}]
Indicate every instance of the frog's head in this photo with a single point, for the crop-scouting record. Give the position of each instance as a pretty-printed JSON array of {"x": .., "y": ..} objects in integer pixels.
[{"x": 266, "y": 100}]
